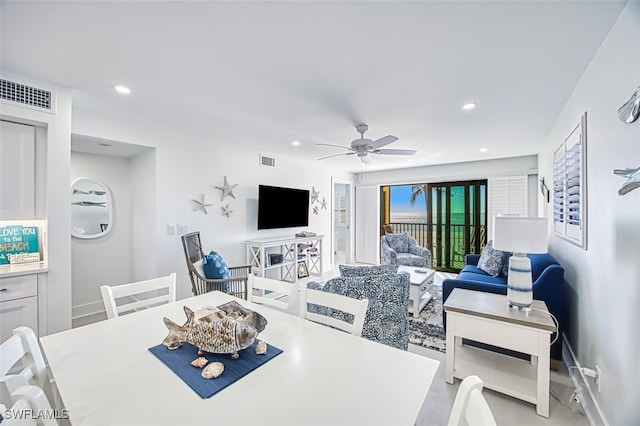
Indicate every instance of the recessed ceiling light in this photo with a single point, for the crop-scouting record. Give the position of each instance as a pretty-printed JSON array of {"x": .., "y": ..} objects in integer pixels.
[
  {"x": 295, "y": 143},
  {"x": 484, "y": 149},
  {"x": 122, "y": 89},
  {"x": 469, "y": 106}
]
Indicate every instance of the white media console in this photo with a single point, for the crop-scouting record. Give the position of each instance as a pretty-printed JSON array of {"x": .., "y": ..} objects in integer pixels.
[{"x": 291, "y": 256}]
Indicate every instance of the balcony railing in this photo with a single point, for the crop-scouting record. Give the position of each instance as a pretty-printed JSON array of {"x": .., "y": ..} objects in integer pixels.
[{"x": 447, "y": 242}]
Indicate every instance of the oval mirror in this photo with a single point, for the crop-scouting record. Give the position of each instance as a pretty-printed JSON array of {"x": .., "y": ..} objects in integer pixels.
[{"x": 91, "y": 209}]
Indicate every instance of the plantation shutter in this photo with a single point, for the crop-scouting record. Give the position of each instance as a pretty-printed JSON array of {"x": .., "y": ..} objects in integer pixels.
[
  {"x": 367, "y": 224},
  {"x": 507, "y": 195},
  {"x": 569, "y": 192}
]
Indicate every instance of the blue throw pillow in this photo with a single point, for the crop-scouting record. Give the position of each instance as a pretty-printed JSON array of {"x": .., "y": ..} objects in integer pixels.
[
  {"x": 214, "y": 267},
  {"x": 492, "y": 260}
]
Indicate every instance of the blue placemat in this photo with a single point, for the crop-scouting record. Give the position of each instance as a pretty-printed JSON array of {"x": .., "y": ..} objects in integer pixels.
[{"x": 179, "y": 360}]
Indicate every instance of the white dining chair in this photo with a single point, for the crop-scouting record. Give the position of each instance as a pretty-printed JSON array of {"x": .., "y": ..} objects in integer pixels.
[
  {"x": 138, "y": 295},
  {"x": 22, "y": 363},
  {"x": 471, "y": 405},
  {"x": 30, "y": 407},
  {"x": 355, "y": 307},
  {"x": 281, "y": 295}
]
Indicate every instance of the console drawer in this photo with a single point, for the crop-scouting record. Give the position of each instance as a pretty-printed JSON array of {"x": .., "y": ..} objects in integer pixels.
[{"x": 18, "y": 287}]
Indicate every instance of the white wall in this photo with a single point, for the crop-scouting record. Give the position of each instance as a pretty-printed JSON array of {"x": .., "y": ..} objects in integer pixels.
[
  {"x": 604, "y": 280},
  {"x": 191, "y": 161},
  {"x": 54, "y": 289},
  {"x": 109, "y": 259}
]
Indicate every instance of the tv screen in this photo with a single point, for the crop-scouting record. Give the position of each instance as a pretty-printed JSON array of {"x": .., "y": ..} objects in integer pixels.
[{"x": 282, "y": 207}]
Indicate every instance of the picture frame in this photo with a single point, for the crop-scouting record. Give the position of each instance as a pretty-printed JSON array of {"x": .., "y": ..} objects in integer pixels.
[{"x": 302, "y": 270}]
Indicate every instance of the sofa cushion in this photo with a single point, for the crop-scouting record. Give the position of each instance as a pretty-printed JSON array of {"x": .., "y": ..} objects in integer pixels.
[
  {"x": 485, "y": 278},
  {"x": 359, "y": 271},
  {"x": 408, "y": 259},
  {"x": 491, "y": 260}
]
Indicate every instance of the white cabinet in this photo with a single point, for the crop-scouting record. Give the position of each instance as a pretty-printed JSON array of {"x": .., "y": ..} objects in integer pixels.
[
  {"x": 17, "y": 171},
  {"x": 18, "y": 304},
  {"x": 293, "y": 258}
]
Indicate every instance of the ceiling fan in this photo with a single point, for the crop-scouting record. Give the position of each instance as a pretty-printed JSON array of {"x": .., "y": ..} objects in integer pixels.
[{"x": 363, "y": 147}]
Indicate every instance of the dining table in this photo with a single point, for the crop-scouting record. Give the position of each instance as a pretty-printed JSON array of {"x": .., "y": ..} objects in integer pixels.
[{"x": 106, "y": 375}]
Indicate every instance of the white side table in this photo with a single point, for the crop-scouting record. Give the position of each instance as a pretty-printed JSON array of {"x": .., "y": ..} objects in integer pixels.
[
  {"x": 486, "y": 317},
  {"x": 421, "y": 290}
]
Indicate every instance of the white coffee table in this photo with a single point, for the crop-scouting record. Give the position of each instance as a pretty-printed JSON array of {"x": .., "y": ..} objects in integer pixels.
[{"x": 421, "y": 287}]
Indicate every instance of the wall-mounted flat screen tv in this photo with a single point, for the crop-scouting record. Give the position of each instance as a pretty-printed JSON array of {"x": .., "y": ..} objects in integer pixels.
[{"x": 282, "y": 207}]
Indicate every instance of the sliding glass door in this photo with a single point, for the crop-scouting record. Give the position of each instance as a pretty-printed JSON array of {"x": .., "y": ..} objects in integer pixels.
[{"x": 449, "y": 218}]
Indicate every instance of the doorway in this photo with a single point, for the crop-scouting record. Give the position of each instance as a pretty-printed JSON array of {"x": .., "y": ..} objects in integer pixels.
[{"x": 341, "y": 222}]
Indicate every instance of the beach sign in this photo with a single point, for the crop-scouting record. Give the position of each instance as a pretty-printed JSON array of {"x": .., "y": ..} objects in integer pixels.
[{"x": 19, "y": 243}]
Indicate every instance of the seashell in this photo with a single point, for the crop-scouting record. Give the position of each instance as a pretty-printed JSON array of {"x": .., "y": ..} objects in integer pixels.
[
  {"x": 199, "y": 362},
  {"x": 261, "y": 347},
  {"x": 213, "y": 370}
]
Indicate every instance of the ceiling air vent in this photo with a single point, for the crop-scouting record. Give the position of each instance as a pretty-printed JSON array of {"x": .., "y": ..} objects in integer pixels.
[
  {"x": 27, "y": 96},
  {"x": 267, "y": 161}
]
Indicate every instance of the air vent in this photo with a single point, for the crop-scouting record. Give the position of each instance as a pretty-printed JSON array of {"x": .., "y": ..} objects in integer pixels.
[
  {"x": 267, "y": 161},
  {"x": 27, "y": 96}
]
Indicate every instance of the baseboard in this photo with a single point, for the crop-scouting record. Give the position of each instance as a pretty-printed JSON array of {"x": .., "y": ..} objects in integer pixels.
[{"x": 584, "y": 391}]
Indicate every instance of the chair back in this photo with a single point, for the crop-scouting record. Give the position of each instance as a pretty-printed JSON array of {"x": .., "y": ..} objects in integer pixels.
[
  {"x": 270, "y": 292},
  {"x": 29, "y": 402},
  {"x": 471, "y": 405},
  {"x": 357, "y": 308},
  {"x": 138, "y": 295},
  {"x": 21, "y": 358}
]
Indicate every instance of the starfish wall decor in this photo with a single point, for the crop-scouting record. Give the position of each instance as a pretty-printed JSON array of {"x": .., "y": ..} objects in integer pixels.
[
  {"x": 314, "y": 195},
  {"x": 323, "y": 204},
  {"x": 226, "y": 210},
  {"x": 200, "y": 204},
  {"x": 226, "y": 189}
]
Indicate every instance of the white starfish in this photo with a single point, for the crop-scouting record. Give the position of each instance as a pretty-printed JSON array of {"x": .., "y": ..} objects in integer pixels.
[
  {"x": 226, "y": 210},
  {"x": 201, "y": 204},
  {"x": 323, "y": 203},
  {"x": 314, "y": 195},
  {"x": 226, "y": 189},
  {"x": 315, "y": 210}
]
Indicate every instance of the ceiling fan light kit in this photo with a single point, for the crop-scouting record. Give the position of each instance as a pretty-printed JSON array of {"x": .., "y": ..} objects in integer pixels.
[{"x": 363, "y": 147}]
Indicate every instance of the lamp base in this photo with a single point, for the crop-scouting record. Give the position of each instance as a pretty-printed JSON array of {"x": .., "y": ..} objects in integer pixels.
[{"x": 519, "y": 285}]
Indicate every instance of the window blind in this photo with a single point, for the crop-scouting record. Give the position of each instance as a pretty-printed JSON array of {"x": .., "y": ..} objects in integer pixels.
[
  {"x": 506, "y": 195},
  {"x": 569, "y": 189}
]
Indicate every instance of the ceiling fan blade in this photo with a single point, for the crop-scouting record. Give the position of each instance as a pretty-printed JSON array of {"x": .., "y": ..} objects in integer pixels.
[
  {"x": 382, "y": 141},
  {"x": 335, "y": 146},
  {"x": 395, "y": 151},
  {"x": 335, "y": 155}
]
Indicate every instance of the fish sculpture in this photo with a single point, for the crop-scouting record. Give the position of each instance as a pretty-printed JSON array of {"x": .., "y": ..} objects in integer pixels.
[{"x": 215, "y": 333}]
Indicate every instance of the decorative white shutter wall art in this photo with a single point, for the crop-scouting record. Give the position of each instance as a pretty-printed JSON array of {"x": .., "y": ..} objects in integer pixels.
[
  {"x": 570, "y": 186},
  {"x": 506, "y": 195},
  {"x": 367, "y": 224}
]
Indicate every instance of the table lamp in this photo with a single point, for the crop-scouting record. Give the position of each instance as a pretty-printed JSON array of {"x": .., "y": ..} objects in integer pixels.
[{"x": 520, "y": 235}]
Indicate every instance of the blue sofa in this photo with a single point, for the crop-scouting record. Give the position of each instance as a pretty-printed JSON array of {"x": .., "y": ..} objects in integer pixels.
[
  {"x": 548, "y": 285},
  {"x": 387, "y": 317}
]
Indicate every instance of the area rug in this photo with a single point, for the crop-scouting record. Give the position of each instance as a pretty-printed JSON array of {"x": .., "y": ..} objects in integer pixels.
[{"x": 426, "y": 330}]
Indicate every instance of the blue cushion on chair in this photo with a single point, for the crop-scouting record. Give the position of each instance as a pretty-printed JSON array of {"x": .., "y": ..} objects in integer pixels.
[{"x": 214, "y": 267}]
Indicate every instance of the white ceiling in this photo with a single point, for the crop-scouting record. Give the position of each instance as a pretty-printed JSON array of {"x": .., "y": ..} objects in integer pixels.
[{"x": 263, "y": 74}]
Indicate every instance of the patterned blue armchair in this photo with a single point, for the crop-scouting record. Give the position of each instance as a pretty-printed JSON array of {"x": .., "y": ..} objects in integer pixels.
[
  {"x": 403, "y": 249},
  {"x": 387, "y": 318}
]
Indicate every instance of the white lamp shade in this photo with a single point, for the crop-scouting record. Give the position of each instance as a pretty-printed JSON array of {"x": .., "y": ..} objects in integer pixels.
[{"x": 520, "y": 234}]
